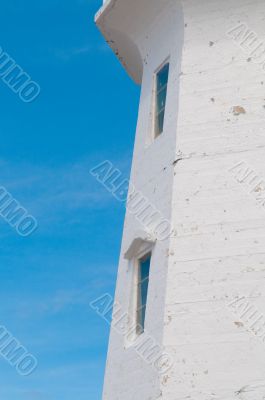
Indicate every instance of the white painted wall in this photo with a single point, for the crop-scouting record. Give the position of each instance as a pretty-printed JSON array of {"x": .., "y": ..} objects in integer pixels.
[
  {"x": 219, "y": 251},
  {"x": 127, "y": 375}
]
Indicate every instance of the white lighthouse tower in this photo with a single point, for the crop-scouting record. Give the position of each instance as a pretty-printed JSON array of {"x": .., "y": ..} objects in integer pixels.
[{"x": 189, "y": 315}]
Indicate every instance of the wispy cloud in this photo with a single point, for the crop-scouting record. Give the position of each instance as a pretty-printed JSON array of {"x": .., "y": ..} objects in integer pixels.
[
  {"x": 34, "y": 395},
  {"x": 53, "y": 194},
  {"x": 62, "y": 300},
  {"x": 66, "y": 55}
]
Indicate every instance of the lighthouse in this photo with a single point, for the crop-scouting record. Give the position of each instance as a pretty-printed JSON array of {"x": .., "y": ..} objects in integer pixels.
[{"x": 189, "y": 314}]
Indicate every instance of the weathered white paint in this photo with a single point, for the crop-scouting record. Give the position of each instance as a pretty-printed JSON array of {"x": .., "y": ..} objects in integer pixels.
[{"x": 219, "y": 251}]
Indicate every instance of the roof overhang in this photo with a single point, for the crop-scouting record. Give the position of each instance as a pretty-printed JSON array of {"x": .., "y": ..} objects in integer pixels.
[{"x": 124, "y": 24}]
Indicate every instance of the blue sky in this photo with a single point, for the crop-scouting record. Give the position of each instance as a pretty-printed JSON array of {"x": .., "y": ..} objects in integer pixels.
[{"x": 86, "y": 113}]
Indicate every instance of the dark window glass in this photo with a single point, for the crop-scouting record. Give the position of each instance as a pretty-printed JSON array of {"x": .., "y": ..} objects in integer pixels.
[
  {"x": 162, "y": 76},
  {"x": 142, "y": 290},
  {"x": 144, "y": 268},
  {"x": 161, "y": 97},
  {"x": 160, "y": 121}
]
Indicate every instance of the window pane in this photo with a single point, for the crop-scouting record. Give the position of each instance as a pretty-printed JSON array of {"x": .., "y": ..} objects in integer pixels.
[
  {"x": 161, "y": 100},
  {"x": 162, "y": 77},
  {"x": 160, "y": 122},
  {"x": 143, "y": 283},
  {"x": 140, "y": 320},
  {"x": 161, "y": 97},
  {"x": 145, "y": 268},
  {"x": 143, "y": 289}
]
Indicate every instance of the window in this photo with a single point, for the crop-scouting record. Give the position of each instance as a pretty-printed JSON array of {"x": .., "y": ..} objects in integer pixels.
[
  {"x": 139, "y": 255},
  {"x": 142, "y": 290},
  {"x": 161, "y": 96}
]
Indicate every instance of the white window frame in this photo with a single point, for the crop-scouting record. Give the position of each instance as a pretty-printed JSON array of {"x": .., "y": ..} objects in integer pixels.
[{"x": 145, "y": 249}]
